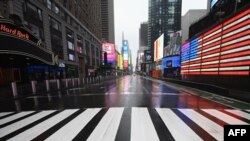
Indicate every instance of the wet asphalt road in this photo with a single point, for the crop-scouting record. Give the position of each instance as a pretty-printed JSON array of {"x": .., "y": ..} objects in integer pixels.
[
  {"x": 131, "y": 108},
  {"x": 128, "y": 91}
]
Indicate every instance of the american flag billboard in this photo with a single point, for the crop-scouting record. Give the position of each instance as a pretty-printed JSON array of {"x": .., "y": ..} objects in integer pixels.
[{"x": 223, "y": 50}]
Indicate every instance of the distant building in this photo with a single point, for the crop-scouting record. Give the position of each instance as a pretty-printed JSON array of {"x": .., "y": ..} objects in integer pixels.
[
  {"x": 143, "y": 34},
  {"x": 108, "y": 27},
  {"x": 190, "y": 17},
  {"x": 164, "y": 17}
]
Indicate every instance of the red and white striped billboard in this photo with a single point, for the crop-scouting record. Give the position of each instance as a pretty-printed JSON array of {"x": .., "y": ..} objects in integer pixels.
[{"x": 223, "y": 50}]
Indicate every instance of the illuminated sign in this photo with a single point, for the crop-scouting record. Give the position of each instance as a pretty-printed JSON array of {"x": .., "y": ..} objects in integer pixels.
[
  {"x": 223, "y": 50},
  {"x": 110, "y": 49},
  {"x": 147, "y": 56},
  {"x": 158, "y": 48},
  {"x": 125, "y": 64},
  {"x": 173, "y": 61},
  {"x": 19, "y": 32},
  {"x": 17, "y": 40}
]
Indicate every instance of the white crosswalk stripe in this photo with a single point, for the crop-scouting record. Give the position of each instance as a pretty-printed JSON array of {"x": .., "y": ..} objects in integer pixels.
[
  {"x": 177, "y": 127},
  {"x": 211, "y": 127},
  {"x": 142, "y": 128},
  {"x": 5, "y": 113},
  {"x": 240, "y": 113},
  {"x": 29, "y": 125},
  {"x": 70, "y": 130},
  {"x": 224, "y": 117},
  {"x": 11, "y": 118},
  {"x": 13, "y": 127},
  {"x": 40, "y": 128},
  {"x": 107, "y": 128}
]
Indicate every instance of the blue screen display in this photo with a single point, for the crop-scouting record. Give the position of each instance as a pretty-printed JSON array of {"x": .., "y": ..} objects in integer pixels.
[{"x": 175, "y": 61}]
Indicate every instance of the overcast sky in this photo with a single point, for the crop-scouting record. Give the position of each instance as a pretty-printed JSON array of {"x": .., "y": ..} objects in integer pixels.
[{"x": 129, "y": 14}]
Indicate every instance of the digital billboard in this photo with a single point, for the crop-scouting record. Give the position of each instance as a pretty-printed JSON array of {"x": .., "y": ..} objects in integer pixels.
[
  {"x": 110, "y": 49},
  {"x": 125, "y": 64},
  {"x": 169, "y": 62},
  {"x": 147, "y": 56},
  {"x": 120, "y": 60},
  {"x": 158, "y": 48},
  {"x": 174, "y": 45},
  {"x": 222, "y": 50}
]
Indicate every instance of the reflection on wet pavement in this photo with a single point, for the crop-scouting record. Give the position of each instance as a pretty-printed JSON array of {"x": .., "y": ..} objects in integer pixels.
[{"x": 128, "y": 91}]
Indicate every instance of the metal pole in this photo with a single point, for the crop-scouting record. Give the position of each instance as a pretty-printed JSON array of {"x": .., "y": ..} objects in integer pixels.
[
  {"x": 14, "y": 89},
  {"x": 66, "y": 83},
  {"x": 73, "y": 82},
  {"x": 33, "y": 85},
  {"x": 47, "y": 85},
  {"x": 79, "y": 81},
  {"x": 58, "y": 84}
]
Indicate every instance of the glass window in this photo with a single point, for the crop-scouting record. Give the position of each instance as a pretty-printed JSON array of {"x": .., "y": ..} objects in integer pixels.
[
  {"x": 172, "y": 0},
  {"x": 40, "y": 14},
  {"x": 49, "y": 4},
  {"x": 55, "y": 24},
  {"x": 71, "y": 57},
  {"x": 70, "y": 45},
  {"x": 55, "y": 9},
  {"x": 171, "y": 9}
]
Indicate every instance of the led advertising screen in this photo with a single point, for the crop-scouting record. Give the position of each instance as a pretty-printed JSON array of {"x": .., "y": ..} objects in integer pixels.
[
  {"x": 212, "y": 3},
  {"x": 125, "y": 64},
  {"x": 174, "y": 45},
  {"x": 147, "y": 56},
  {"x": 158, "y": 48},
  {"x": 222, "y": 50},
  {"x": 110, "y": 49},
  {"x": 120, "y": 64},
  {"x": 169, "y": 62}
]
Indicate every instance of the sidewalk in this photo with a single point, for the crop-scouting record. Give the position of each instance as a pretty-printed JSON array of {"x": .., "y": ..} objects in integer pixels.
[{"x": 236, "y": 94}]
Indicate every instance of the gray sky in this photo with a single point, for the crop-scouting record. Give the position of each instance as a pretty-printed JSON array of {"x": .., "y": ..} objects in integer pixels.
[{"x": 129, "y": 14}]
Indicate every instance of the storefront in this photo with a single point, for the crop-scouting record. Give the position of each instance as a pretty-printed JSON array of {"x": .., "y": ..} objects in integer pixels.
[{"x": 20, "y": 51}]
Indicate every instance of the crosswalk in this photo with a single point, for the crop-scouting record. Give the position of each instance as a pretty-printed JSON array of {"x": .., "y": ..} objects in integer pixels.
[{"x": 118, "y": 123}]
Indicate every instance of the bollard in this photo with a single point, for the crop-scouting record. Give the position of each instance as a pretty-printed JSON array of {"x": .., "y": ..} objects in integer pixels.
[
  {"x": 79, "y": 82},
  {"x": 58, "y": 84},
  {"x": 14, "y": 89},
  {"x": 47, "y": 85},
  {"x": 66, "y": 83},
  {"x": 87, "y": 80},
  {"x": 33, "y": 85},
  {"x": 73, "y": 82},
  {"x": 83, "y": 81}
]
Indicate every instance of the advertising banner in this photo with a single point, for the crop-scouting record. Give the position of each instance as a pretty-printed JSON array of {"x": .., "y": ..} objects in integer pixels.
[
  {"x": 174, "y": 45},
  {"x": 158, "y": 48},
  {"x": 110, "y": 49},
  {"x": 147, "y": 56}
]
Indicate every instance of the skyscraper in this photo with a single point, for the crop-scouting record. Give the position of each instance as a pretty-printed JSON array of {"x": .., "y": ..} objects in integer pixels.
[
  {"x": 164, "y": 17},
  {"x": 107, "y": 9}
]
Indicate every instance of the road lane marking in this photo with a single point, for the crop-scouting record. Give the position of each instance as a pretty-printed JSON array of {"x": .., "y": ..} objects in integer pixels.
[
  {"x": 108, "y": 126},
  {"x": 142, "y": 128},
  {"x": 15, "y": 126},
  {"x": 70, "y": 130},
  {"x": 5, "y": 113},
  {"x": 14, "y": 117},
  {"x": 240, "y": 113},
  {"x": 176, "y": 126},
  {"x": 209, "y": 126},
  {"x": 43, "y": 126},
  {"x": 224, "y": 117}
]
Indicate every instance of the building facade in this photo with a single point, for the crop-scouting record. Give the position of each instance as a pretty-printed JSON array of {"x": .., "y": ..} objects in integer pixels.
[
  {"x": 70, "y": 31},
  {"x": 107, "y": 15},
  {"x": 190, "y": 17},
  {"x": 164, "y": 17}
]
